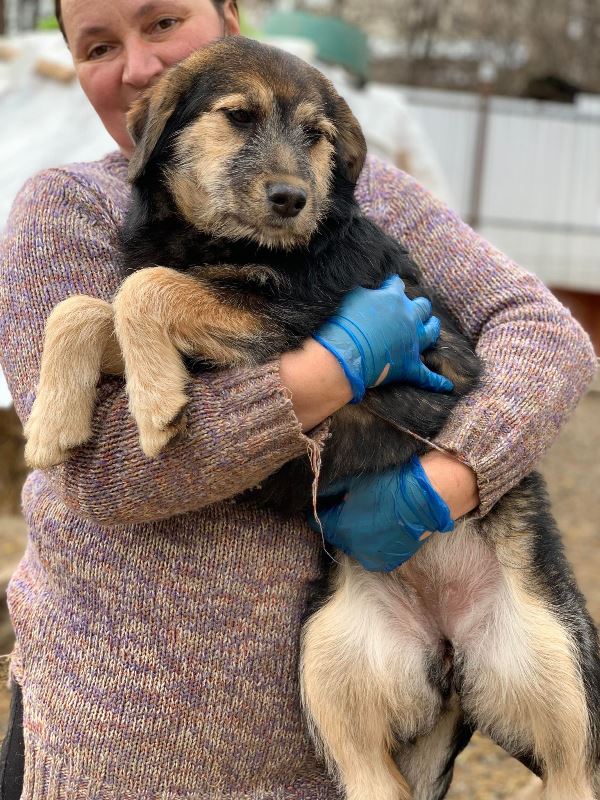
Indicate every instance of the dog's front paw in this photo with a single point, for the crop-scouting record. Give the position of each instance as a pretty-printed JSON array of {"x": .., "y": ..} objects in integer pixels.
[
  {"x": 41, "y": 450},
  {"x": 159, "y": 425},
  {"x": 51, "y": 433}
]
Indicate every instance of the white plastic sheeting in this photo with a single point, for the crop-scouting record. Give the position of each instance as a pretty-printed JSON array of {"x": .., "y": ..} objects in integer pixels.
[{"x": 43, "y": 123}]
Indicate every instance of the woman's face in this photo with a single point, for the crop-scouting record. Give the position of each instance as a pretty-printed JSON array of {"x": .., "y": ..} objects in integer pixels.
[{"x": 120, "y": 47}]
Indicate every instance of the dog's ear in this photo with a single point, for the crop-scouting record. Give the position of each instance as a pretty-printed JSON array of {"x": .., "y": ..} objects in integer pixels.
[
  {"x": 147, "y": 118},
  {"x": 351, "y": 144}
]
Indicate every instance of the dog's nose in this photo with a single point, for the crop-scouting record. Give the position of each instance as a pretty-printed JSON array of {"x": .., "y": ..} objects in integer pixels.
[{"x": 285, "y": 199}]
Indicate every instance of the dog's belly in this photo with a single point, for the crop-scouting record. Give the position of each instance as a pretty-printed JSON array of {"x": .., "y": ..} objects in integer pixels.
[
  {"x": 445, "y": 594},
  {"x": 450, "y": 587}
]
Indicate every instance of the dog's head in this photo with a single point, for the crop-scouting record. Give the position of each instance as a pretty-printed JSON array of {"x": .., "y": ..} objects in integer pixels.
[{"x": 247, "y": 141}]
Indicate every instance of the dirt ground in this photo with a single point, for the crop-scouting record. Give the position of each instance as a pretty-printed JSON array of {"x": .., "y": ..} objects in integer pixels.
[{"x": 572, "y": 470}]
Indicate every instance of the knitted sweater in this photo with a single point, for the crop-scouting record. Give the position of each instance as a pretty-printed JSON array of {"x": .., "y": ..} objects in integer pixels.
[{"x": 156, "y": 618}]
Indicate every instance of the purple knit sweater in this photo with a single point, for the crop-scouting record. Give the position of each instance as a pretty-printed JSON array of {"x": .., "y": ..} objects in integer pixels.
[{"x": 157, "y": 620}]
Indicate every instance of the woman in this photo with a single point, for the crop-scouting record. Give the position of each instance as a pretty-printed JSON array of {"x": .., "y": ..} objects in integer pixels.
[{"x": 157, "y": 619}]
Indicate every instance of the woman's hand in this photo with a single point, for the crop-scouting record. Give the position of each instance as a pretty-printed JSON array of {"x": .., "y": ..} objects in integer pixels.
[
  {"x": 378, "y": 335},
  {"x": 381, "y": 518}
]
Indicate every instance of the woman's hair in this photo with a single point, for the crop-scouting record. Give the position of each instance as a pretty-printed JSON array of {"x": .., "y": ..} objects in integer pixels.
[{"x": 58, "y": 13}]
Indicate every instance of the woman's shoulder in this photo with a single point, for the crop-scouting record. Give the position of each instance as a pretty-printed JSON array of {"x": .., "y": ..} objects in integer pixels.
[
  {"x": 378, "y": 176},
  {"x": 393, "y": 198},
  {"x": 96, "y": 189},
  {"x": 62, "y": 232}
]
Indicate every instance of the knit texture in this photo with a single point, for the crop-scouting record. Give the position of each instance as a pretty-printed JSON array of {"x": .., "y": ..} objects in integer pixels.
[{"x": 157, "y": 620}]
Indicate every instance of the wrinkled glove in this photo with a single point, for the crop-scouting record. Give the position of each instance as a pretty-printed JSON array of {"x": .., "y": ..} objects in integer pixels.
[
  {"x": 382, "y": 517},
  {"x": 375, "y": 329}
]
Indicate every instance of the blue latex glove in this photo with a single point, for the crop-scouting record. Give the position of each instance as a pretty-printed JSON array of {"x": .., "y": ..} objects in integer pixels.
[
  {"x": 382, "y": 517},
  {"x": 378, "y": 328}
]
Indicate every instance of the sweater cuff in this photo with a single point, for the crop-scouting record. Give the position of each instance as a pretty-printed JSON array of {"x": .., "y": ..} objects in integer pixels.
[{"x": 495, "y": 474}]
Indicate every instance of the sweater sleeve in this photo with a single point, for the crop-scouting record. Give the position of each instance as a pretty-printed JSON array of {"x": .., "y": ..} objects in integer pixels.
[
  {"x": 61, "y": 240},
  {"x": 537, "y": 361}
]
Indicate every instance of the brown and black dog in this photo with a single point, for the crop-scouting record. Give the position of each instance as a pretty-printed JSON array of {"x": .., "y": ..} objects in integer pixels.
[{"x": 243, "y": 184}]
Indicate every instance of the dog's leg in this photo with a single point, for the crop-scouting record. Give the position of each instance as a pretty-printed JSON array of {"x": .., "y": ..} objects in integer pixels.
[
  {"x": 159, "y": 314},
  {"x": 522, "y": 684},
  {"x": 428, "y": 762},
  {"x": 79, "y": 344},
  {"x": 364, "y": 683}
]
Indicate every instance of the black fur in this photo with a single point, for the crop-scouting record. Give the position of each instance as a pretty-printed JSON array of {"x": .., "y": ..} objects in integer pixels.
[{"x": 348, "y": 250}]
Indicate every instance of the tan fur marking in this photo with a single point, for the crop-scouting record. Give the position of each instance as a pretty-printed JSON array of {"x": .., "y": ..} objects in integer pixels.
[
  {"x": 352, "y": 142},
  {"x": 320, "y": 156},
  {"x": 198, "y": 180},
  {"x": 148, "y": 115},
  {"x": 258, "y": 92},
  {"x": 201, "y": 186},
  {"x": 158, "y": 314},
  {"x": 230, "y": 102},
  {"x": 285, "y": 162},
  {"x": 309, "y": 113},
  {"x": 520, "y": 667},
  {"x": 525, "y": 674},
  {"x": 363, "y": 653}
]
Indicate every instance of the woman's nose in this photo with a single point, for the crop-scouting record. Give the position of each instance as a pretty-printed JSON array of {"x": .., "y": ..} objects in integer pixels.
[{"x": 142, "y": 65}]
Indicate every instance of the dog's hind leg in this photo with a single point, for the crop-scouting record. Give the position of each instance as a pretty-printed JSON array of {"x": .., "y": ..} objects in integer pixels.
[
  {"x": 428, "y": 762},
  {"x": 364, "y": 684},
  {"x": 523, "y": 686},
  {"x": 79, "y": 345}
]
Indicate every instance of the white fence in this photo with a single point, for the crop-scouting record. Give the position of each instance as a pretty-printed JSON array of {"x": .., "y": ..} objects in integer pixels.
[{"x": 526, "y": 174}]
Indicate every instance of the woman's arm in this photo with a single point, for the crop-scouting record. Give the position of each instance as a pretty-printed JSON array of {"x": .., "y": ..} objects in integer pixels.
[
  {"x": 537, "y": 359},
  {"x": 455, "y": 482},
  {"x": 61, "y": 240},
  {"x": 316, "y": 383}
]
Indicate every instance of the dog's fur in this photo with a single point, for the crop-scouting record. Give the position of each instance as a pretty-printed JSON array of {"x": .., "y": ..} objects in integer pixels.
[{"x": 484, "y": 628}]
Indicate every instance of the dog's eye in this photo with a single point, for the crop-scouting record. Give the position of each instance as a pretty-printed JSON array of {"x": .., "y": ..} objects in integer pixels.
[
  {"x": 313, "y": 135},
  {"x": 241, "y": 117}
]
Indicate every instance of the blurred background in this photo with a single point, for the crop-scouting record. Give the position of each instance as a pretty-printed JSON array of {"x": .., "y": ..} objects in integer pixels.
[{"x": 495, "y": 107}]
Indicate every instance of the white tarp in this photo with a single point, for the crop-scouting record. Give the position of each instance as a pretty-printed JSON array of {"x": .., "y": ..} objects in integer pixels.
[{"x": 43, "y": 122}]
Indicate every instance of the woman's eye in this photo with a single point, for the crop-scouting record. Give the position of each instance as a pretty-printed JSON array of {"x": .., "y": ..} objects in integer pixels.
[
  {"x": 241, "y": 117},
  {"x": 98, "y": 51},
  {"x": 166, "y": 23}
]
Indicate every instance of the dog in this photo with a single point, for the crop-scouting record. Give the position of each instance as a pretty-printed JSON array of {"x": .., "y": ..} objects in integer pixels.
[{"x": 243, "y": 182}]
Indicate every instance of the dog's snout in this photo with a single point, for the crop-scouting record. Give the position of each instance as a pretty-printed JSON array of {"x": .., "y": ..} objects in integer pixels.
[{"x": 285, "y": 199}]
